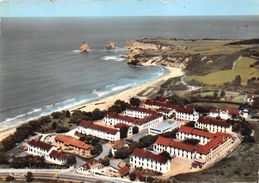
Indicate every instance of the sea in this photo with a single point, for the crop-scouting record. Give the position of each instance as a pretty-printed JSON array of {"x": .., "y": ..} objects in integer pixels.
[{"x": 42, "y": 69}]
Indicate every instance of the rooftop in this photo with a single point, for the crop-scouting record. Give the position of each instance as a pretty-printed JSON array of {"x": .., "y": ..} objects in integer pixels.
[
  {"x": 57, "y": 154},
  {"x": 72, "y": 142},
  {"x": 40, "y": 144},
  {"x": 214, "y": 121},
  {"x": 166, "y": 125},
  {"x": 105, "y": 129},
  {"x": 189, "y": 130},
  {"x": 148, "y": 155}
]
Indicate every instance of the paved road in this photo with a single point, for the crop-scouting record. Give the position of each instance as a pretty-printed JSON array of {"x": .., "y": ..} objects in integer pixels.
[
  {"x": 190, "y": 87},
  {"x": 65, "y": 175}
]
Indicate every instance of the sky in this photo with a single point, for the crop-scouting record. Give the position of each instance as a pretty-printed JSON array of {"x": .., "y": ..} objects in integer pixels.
[{"x": 71, "y": 8}]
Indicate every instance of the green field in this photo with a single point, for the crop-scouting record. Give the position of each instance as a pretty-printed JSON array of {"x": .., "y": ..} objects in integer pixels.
[{"x": 241, "y": 67}]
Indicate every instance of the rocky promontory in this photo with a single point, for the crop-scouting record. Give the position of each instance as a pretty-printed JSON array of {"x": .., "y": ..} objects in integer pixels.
[{"x": 199, "y": 56}]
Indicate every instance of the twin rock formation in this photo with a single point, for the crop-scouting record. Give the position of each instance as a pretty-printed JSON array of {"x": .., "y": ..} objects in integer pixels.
[{"x": 85, "y": 47}]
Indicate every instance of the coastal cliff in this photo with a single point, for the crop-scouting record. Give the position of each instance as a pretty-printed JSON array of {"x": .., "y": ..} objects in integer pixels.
[{"x": 200, "y": 56}]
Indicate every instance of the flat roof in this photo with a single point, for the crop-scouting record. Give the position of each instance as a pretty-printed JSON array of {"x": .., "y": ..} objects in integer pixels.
[{"x": 164, "y": 125}]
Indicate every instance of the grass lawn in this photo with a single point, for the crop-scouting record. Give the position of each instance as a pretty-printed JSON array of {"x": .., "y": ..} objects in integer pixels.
[
  {"x": 239, "y": 99},
  {"x": 204, "y": 94},
  {"x": 241, "y": 68}
]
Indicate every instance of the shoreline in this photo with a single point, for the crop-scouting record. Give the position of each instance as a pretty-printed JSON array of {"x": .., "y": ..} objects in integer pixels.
[{"x": 106, "y": 102}]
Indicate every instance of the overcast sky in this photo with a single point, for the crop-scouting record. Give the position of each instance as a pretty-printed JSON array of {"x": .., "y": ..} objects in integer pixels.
[{"x": 46, "y": 8}]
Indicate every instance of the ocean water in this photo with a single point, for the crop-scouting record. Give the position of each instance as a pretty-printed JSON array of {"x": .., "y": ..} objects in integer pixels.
[{"x": 42, "y": 70}]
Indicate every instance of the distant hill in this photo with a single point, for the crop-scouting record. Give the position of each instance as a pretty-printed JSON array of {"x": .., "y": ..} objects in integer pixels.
[{"x": 248, "y": 41}]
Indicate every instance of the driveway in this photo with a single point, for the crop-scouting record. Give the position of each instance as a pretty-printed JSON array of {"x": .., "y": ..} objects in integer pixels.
[{"x": 104, "y": 153}]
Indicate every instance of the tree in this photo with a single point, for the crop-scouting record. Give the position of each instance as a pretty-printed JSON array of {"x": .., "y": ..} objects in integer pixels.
[
  {"x": 96, "y": 149},
  {"x": 215, "y": 94},
  {"x": 222, "y": 93},
  {"x": 28, "y": 177},
  {"x": 62, "y": 129},
  {"x": 132, "y": 176},
  {"x": 135, "y": 130},
  {"x": 105, "y": 162},
  {"x": 97, "y": 114},
  {"x": 237, "y": 81},
  {"x": 134, "y": 101},
  {"x": 166, "y": 155},
  {"x": 9, "y": 178},
  {"x": 71, "y": 160},
  {"x": 122, "y": 153},
  {"x": 123, "y": 132},
  {"x": 54, "y": 125}
]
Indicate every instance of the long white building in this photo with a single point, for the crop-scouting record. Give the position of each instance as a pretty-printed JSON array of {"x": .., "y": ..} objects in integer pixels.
[
  {"x": 186, "y": 132},
  {"x": 186, "y": 113},
  {"x": 202, "y": 153},
  {"x": 142, "y": 123},
  {"x": 147, "y": 160},
  {"x": 49, "y": 152},
  {"x": 214, "y": 125},
  {"x": 104, "y": 132}
]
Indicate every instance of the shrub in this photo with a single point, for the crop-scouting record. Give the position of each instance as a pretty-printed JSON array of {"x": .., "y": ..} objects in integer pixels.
[
  {"x": 132, "y": 176},
  {"x": 29, "y": 177},
  {"x": 134, "y": 101},
  {"x": 105, "y": 162},
  {"x": 135, "y": 130}
]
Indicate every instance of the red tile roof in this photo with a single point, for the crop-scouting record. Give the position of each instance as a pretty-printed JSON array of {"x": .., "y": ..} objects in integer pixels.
[
  {"x": 120, "y": 125},
  {"x": 163, "y": 110},
  {"x": 40, "y": 144},
  {"x": 124, "y": 170},
  {"x": 189, "y": 109},
  {"x": 91, "y": 125},
  {"x": 213, "y": 121},
  {"x": 148, "y": 155},
  {"x": 135, "y": 121},
  {"x": 140, "y": 109},
  {"x": 189, "y": 130},
  {"x": 231, "y": 111},
  {"x": 72, "y": 142},
  {"x": 217, "y": 140},
  {"x": 57, "y": 154}
]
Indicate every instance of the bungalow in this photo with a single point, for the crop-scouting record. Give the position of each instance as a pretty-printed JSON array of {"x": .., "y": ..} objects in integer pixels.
[
  {"x": 49, "y": 152},
  {"x": 104, "y": 132},
  {"x": 147, "y": 160},
  {"x": 213, "y": 125}
]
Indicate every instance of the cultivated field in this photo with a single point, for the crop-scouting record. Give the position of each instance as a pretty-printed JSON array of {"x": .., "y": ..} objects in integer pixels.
[{"x": 241, "y": 67}]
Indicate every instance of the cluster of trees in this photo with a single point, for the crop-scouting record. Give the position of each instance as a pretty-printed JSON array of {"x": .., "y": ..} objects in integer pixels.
[
  {"x": 28, "y": 162},
  {"x": 90, "y": 139},
  {"x": 23, "y": 132},
  {"x": 245, "y": 129},
  {"x": 253, "y": 82},
  {"x": 135, "y": 101},
  {"x": 61, "y": 115},
  {"x": 123, "y": 153},
  {"x": 105, "y": 162},
  {"x": 78, "y": 115},
  {"x": 118, "y": 106},
  {"x": 123, "y": 132},
  {"x": 171, "y": 134},
  {"x": 97, "y": 149}
]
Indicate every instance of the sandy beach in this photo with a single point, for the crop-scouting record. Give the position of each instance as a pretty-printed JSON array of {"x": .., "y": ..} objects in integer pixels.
[
  {"x": 106, "y": 102},
  {"x": 127, "y": 94}
]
